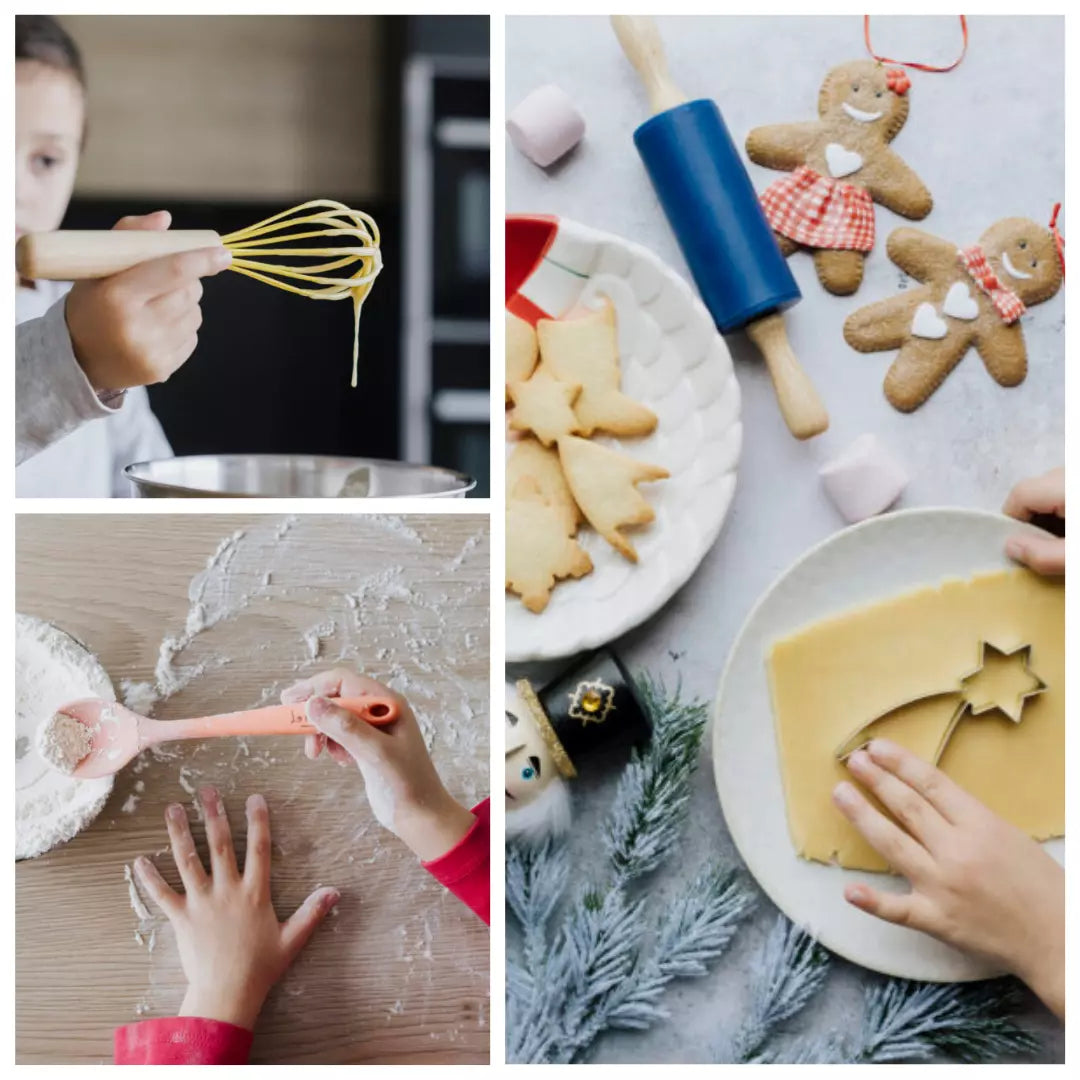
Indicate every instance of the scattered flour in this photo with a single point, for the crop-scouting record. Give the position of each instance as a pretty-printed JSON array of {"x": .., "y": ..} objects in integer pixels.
[
  {"x": 416, "y": 622},
  {"x": 51, "y": 669},
  {"x": 64, "y": 741}
]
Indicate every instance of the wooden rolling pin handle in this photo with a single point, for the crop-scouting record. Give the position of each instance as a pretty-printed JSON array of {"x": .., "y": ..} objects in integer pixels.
[
  {"x": 800, "y": 405},
  {"x": 640, "y": 41},
  {"x": 73, "y": 255}
]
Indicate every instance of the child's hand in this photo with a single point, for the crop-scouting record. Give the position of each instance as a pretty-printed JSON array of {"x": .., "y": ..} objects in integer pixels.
[
  {"x": 232, "y": 947},
  {"x": 1038, "y": 495},
  {"x": 403, "y": 788},
  {"x": 137, "y": 327},
  {"x": 977, "y": 882}
]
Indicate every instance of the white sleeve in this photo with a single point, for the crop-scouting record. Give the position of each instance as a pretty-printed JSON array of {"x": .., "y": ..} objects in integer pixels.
[
  {"x": 136, "y": 435},
  {"x": 52, "y": 394}
]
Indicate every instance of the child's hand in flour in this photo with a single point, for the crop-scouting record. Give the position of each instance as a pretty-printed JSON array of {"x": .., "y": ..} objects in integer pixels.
[
  {"x": 404, "y": 790},
  {"x": 232, "y": 947},
  {"x": 1038, "y": 496},
  {"x": 977, "y": 882}
]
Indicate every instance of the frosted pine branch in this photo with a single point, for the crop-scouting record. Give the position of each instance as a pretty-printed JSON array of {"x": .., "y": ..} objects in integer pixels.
[
  {"x": 915, "y": 1022},
  {"x": 694, "y": 931},
  {"x": 793, "y": 968},
  {"x": 535, "y": 882},
  {"x": 650, "y": 806},
  {"x": 970, "y": 1022}
]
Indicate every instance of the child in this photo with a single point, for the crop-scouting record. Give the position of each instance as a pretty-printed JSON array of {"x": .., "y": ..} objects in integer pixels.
[
  {"x": 977, "y": 882},
  {"x": 231, "y": 945},
  {"x": 85, "y": 353}
]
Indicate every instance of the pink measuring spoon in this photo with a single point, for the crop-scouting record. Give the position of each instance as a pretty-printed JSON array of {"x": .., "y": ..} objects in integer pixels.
[{"x": 118, "y": 734}]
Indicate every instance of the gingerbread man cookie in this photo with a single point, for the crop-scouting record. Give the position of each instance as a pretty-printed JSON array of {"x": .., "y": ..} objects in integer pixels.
[
  {"x": 840, "y": 166},
  {"x": 967, "y": 297}
]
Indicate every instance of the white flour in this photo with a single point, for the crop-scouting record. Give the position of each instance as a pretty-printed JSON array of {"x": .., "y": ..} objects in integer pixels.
[
  {"x": 51, "y": 669},
  {"x": 63, "y": 742}
]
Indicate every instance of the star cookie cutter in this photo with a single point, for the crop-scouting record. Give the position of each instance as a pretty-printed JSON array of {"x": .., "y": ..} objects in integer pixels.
[{"x": 1012, "y": 708}]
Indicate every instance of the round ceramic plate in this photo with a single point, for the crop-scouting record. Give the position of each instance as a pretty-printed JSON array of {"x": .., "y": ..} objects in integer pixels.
[
  {"x": 673, "y": 360},
  {"x": 872, "y": 561}
]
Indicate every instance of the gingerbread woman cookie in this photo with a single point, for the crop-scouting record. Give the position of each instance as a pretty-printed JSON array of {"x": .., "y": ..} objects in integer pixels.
[
  {"x": 967, "y": 297},
  {"x": 840, "y": 166}
]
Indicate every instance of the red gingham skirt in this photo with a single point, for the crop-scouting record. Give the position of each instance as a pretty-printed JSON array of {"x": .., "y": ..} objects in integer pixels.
[{"x": 820, "y": 212}]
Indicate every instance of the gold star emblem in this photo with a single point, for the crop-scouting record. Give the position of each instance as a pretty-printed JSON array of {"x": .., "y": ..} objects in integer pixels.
[{"x": 592, "y": 702}]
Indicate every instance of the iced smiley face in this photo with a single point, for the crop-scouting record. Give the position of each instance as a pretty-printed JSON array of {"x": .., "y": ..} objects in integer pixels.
[
  {"x": 529, "y": 766},
  {"x": 1024, "y": 257},
  {"x": 866, "y": 93}
]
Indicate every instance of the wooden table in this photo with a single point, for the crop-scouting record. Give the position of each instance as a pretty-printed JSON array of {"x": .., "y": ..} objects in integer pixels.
[{"x": 400, "y": 974}]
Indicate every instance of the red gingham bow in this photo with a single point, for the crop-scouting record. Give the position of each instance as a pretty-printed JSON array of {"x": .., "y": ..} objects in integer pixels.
[
  {"x": 897, "y": 81},
  {"x": 1006, "y": 303}
]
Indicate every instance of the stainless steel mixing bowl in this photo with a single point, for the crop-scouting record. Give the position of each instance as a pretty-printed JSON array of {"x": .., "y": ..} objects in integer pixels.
[{"x": 292, "y": 476}]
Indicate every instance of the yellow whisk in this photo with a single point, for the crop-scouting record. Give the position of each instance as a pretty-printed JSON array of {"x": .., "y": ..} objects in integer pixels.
[{"x": 335, "y": 247}]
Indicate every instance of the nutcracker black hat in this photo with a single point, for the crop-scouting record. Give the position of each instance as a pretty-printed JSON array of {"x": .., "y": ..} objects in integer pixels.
[{"x": 593, "y": 706}]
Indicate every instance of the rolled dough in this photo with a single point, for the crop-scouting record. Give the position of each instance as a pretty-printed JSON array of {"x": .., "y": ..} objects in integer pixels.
[
  {"x": 832, "y": 677},
  {"x": 51, "y": 669}
]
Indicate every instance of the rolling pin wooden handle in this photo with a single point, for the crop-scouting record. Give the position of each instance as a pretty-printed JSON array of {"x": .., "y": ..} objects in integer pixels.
[
  {"x": 72, "y": 254},
  {"x": 800, "y": 405},
  {"x": 640, "y": 41},
  {"x": 278, "y": 719}
]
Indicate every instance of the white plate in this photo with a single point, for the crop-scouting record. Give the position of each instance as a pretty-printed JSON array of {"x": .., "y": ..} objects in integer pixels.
[
  {"x": 871, "y": 561},
  {"x": 673, "y": 360}
]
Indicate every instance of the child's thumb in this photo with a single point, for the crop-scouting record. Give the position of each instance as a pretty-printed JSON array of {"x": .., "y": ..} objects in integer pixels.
[
  {"x": 300, "y": 925},
  {"x": 344, "y": 727}
]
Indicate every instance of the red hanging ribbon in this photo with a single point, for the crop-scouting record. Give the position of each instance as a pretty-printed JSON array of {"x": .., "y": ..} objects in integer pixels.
[
  {"x": 1059, "y": 240},
  {"x": 913, "y": 63}
]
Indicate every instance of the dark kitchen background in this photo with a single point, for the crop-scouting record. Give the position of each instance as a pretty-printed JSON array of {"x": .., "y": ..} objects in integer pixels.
[{"x": 224, "y": 120}]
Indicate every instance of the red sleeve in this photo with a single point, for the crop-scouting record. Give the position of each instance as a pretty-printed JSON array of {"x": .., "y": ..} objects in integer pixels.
[
  {"x": 182, "y": 1040},
  {"x": 466, "y": 868}
]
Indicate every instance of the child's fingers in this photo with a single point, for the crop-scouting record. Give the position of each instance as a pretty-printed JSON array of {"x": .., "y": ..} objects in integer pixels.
[
  {"x": 325, "y": 684},
  {"x": 158, "y": 221},
  {"x": 218, "y": 837},
  {"x": 339, "y": 753},
  {"x": 180, "y": 304},
  {"x": 184, "y": 854},
  {"x": 898, "y": 849},
  {"x": 156, "y": 277},
  {"x": 300, "y": 925},
  {"x": 314, "y": 745},
  {"x": 1043, "y": 554},
  {"x": 1037, "y": 495},
  {"x": 357, "y": 736},
  {"x": 948, "y": 798},
  {"x": 157, "y": 888},
  {"x": 907, "y": 805},
  {"x": 896, "y": 908},
  {"x": 257, "y": 860}
]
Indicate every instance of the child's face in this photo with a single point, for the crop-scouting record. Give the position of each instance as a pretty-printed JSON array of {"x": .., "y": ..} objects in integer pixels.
[{"x": 49, "y": 118}]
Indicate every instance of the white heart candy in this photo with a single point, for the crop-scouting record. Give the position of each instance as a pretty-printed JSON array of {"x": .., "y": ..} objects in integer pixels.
[
  {"x": 959, "y": 303},
  {"x": 841, "y": 161},
  {"x": 927, "y": 323}
]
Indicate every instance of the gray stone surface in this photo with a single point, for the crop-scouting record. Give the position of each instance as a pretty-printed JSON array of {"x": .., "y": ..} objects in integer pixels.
[{"x": 989, "y": 145}]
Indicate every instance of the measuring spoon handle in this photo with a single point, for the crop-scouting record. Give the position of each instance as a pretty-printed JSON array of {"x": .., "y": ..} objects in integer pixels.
[{"x": 275, "y": 720}]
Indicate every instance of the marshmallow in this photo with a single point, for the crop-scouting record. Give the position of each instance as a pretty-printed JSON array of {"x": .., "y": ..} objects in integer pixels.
[
  {"x": 864, "y": 480},
  {"x": 545, "y": 125}
]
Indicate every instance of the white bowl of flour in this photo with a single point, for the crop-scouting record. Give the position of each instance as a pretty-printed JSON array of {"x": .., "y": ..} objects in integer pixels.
[{"x": 51, "y": 669}]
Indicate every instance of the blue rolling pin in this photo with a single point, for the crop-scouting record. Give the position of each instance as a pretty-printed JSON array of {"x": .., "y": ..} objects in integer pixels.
[{"x": 714, "y": 212}]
